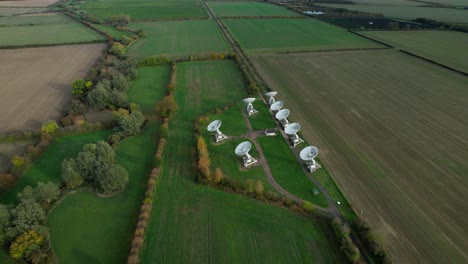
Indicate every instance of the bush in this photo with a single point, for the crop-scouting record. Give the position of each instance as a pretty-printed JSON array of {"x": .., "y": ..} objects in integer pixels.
[
  {"x": 119, "y": 20},
  {"x": 17, "y": 161},
  {"x": 308, "y": 207},
  {"x": 49, "y": 127},
  {"x": 117, "y": 49},
  {"x": 156, "y": 60},
  {"x": 167, "y": 107},
  {"x": 164, "y": 130}
]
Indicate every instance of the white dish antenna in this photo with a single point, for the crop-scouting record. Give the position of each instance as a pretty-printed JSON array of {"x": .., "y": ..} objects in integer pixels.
[
  {"x": 243, "y": 148},
  {"x": 282, "y": 114},
  {"x": 249, "y": 100},
  {"x": 214, "y": 126},
  {"x": 308, "y": 153},
  {"x": 271, "y": 97},
  {"x": 276, "y": 106},
  {"x": 292, "y": 128}
]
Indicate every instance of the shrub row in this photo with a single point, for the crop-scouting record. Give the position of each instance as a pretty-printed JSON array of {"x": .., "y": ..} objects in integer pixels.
[
  {"x": 147, "y": 205},
  {"x": 346, "y": 244},
  {"x": 372, "y": 242}
]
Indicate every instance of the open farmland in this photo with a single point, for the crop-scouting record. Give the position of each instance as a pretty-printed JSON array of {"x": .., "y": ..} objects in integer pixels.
[
  {"x": 444, "y": 47},
  {"x": 27, "y": 3},
  {"x": 36, "y": 82},
  {"x": 233, "y": 9},
  {"x": 51, "y": 30},
  {"x": 149, "y": 87},
  {"x": 178, "y": 38},
  {"x": 146, "y": 10},
  {"x": 11, "y": 11},
  {"x": 449, "y": 15},
  {"x": 292, "y": 35},
  {"x": 36, "y": 19},
  {"x": 85, "y": 228},
  {"x": 199, "y": 224},
  {"x": 393, "y": 138}
]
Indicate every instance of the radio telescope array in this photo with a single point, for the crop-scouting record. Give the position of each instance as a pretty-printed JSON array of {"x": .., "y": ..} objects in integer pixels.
[
  {"x": 214, "y": 127},
  {"x": 276, "y": 106},
  {"x": 281, "y": 116},
  {"x": 292, "y": 130},
  {"x": 243, "y": 150},
  {"x": 271, "y": 97},
  {"x": 308, "y": 154},
  {"x": 250, "y": 108}
]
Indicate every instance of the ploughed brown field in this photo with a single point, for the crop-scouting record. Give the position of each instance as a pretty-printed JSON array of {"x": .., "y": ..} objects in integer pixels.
[
  {"x": 36, "y": 82},
  {"x": 392, "y": 131},
  {"x": 27, "y": 3}
]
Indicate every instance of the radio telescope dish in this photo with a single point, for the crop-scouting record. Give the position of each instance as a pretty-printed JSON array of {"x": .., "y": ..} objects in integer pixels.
[
  {"x": 243, "y": 150},
  {"x": 293, "y": 128},
  {"x": 250, "y": 108},
  {"x": 249, "y": 100},
  {"x": 309, "y": 153},
  {"x": 271, "y": 99},
  {"x": 214, "y": 127},
  {"x": 282, "y": 114},
  {"x": 276, "y": 106}
]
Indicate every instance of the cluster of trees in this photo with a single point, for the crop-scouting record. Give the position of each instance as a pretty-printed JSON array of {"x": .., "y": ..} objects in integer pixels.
[
  {"x": 23, "y": 226},
  {"x": 119, "y": 20},
  {"x": 204, "y": 164},
  {"x": 374, "y": 244},
  {"x": 128, "y": 122},
  {"x": 95, "y": 166},
  {"x": 346, "y": 244}
]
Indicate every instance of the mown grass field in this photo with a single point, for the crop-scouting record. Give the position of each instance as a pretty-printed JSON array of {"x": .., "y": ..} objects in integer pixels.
[
  {"x": 287, "y": 171},
  {"x": 291, "y": 35},
  {"x": 178, "y": 38},
  {"x": 198, "y": 224},
  {"x": 39, "y": 19},
  {"x": 47, "y": 167},
  {"x": 149, "y": 87},
  {"x": 50, "y": 34},
  {"x": 391, "y": 137},
  {"x": 449, "y": 15},
  {"x": 263, "y": 119},
  {"x": 445, "y": 47},
  {"x": 232, "y": 9},
  {"x": 146, "y": 10},
  {"x": 85, "y": 228}
]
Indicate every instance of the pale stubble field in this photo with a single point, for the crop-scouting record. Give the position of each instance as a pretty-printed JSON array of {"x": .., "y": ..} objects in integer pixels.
[{"x": 36, "y": 82}]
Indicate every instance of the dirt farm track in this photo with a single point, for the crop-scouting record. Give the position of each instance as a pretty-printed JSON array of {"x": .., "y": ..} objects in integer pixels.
[
  {"x": 392, "y": 131},
  {"x": 36, "y": 82}
]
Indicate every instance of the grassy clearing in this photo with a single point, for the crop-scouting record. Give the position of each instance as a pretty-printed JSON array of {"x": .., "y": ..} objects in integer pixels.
[
  {"x": 445, "y": 47},
  {"x": 47, "y": 35},
  {"x": 149, "y": 87},
  {"x": 391, "y": 139},
  {"x": 47, "y": 167},
  {"x": 289, "y": 35},
  {"x": 231, "y": 9},
  {"x": 449, "y": 15},
  {"x": 28, "y": 20},
  {"x": 85, "y": 228},
  {"x": 233, "y": 121},
  {"x": 263, "y": 119},
  {"x": 179, "y": 38},
  {"x": 287, "y": 172},
  {"x": 198, "y": 224},
  {"x": 145, "y": 10}
]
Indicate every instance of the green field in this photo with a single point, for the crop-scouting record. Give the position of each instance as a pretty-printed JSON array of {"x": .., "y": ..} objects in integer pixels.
[
  {"x": 284, "y": 35},
  {"x": 449, "y": 15},
  {"x": 146, "y": 10},
  {"x": 287, "y": 171},
  {"x": 47, "y": 167},
  {"x": 47, "y": 35},
  {"x": 85, "y": 228},
  {"x": 198, "y": 224},
  {"x": 445, "y": 47},
  {"x": 263, "y": 119},
  {"x": 28, "y": 20},
  {"x": 178, "y": 38},
  {"x": 390, "y": 130},
  {"x": 232, "y": 9},
  {"x": 149, "y": 87}
]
